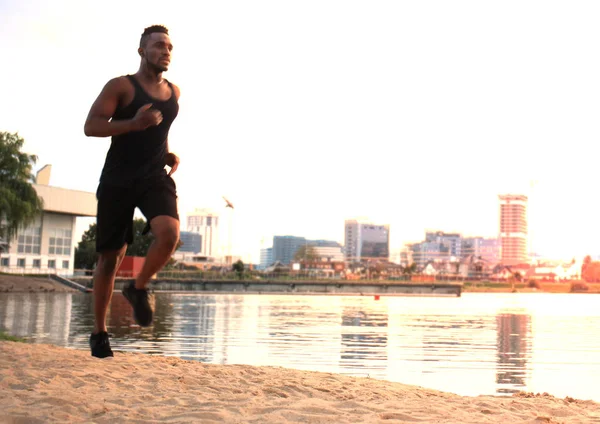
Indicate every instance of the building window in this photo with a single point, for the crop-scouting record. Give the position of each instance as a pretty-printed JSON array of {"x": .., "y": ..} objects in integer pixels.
[
  {"x": 29, "y": 241},
  {"x": 5, "y": 262},
  {"x": 37, "y": 263},
  {"x": 65, "y": 264},
  {"x": 60, "y": 242},
  {"x": 51, "y": 263},
  {"x": 21, "y": 262}
]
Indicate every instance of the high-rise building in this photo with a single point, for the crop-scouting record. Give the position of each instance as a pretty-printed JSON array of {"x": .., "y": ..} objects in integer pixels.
[
  {"x": 190, "y": 242},
  {"x": 513, "y": 229},
  {"x": 365, "y": 240},
  {"x": 206, "y": 223},
  {"x": 266, "y": 257},
  {"x": 285, "y": 247}
]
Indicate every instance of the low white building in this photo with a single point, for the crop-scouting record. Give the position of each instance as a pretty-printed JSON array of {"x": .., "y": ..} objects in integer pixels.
[
  {"x": 329, "y": 254},
  {"x": 47, "y": 246}
]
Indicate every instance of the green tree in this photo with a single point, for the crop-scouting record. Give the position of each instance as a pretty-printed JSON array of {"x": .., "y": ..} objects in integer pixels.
[
  {"x": 306, "y": 253},
  {"x": 85, "y": 253},
  {"x": 410, "y": 269},
  {"x": 238, "y": 268},
  {"x": 141, "y": 243},
  {"x": 19, "y": 202}
]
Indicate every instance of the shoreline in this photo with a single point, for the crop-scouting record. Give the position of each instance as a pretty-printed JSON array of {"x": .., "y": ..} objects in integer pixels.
[
  {"x": 30, "y": 284},
  {"x": 25, "y": 284},
  {"x": 68, "y": 385}
]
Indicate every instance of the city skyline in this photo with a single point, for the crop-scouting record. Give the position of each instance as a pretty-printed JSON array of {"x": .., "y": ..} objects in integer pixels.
[
  {"x": 394, "y": 251},
  {"x": 416, "y": 115},
  {"x": 526, "y": 252}
]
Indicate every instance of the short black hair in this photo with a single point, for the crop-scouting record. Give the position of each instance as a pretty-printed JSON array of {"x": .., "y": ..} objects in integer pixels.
[{"x": 151, "y": 30}]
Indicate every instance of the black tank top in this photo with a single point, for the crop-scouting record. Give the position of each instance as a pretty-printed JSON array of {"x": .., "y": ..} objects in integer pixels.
[{"x": 139, "y": 155}]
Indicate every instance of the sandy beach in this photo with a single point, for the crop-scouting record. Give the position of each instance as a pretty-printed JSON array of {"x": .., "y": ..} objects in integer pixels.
[{"x": 42, "y": 383}]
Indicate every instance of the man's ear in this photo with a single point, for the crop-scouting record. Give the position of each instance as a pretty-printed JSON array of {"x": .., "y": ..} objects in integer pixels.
[{"x": 141, "y": 52}]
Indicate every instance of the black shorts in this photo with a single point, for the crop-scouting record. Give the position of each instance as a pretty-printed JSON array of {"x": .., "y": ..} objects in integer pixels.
[{"x": 116, "y": 204}]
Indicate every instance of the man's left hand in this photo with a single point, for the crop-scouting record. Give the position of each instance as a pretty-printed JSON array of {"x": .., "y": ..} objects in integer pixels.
[{"x": 172, "y": 162}]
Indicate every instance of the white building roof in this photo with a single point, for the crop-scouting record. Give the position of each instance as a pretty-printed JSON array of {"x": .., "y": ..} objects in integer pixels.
[{"x": 70, "y": 202}]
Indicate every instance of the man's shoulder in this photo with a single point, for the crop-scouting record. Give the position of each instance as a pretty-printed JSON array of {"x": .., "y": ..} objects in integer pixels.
[
  {"x": 175, "y": 89},
  {"x": 120, "y": 83}
]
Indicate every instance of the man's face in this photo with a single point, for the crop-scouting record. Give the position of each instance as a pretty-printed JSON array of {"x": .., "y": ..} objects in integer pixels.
[{"x": 158, "y": 51}]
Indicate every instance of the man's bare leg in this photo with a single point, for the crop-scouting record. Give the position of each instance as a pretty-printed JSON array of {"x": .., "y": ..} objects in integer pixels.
[
  {"x": 166, "y": 235},
  {"x": 104, "y": 282}
]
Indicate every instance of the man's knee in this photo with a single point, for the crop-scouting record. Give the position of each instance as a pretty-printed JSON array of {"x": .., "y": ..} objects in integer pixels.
[
  {"x": 166, "y": 231},
  {"x": 168, "y": 237}
]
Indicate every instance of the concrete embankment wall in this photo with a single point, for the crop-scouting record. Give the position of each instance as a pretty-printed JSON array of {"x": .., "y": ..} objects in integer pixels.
[
  {"x": 69, "y": 283},
  {"x": 304, "y": 287}
]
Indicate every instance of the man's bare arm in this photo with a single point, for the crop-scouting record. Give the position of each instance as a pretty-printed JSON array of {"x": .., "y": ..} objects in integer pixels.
[
  {"x": 99, "y": 122},
  {"x": 172, "y": 159}
]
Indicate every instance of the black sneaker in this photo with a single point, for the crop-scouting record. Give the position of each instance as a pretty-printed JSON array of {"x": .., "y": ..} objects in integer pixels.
[
  {"x": 100, "y": 345},
  {"x": 142, "y": 311}
]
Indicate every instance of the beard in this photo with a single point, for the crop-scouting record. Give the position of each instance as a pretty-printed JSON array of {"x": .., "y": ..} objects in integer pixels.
[{"x": 157, "y": 67}]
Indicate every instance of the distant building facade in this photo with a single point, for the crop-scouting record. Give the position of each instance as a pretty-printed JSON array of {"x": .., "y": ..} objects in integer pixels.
[
  {"x": 441, "y": 247},
  {"x": 438, "y": 246},
  {"x": 487, "y": 249},
  {"x": 47, "y": 245},
  {"x": 364, "y": 240},
  {"x": 329, "y": 253},
  {"x": 285, "y": 247},
  {"x": 452, "y": 241},
  {"x": 513, "y": 229},
  {"x": 428, "y": 251},
  {"x": 266, "y": 257},
  {"x": 190, "y": 242},
  {"x": 206, "y": 223}
]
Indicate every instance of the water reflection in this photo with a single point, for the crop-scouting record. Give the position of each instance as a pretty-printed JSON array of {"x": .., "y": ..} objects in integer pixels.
[
  {"x": 476, "y": 344},
  {"x": 131, "y": 337},
  {"x": 303, "y": 334},
  {"x": 44, "y": 317},
  {"x": 363, "y": 339},
  {"x": 513, "y": 350},
  {"x": 196, "y": 326}
]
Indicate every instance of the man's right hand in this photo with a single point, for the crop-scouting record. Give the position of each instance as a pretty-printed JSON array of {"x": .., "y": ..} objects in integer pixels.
[{"x": 146, "y": 117}]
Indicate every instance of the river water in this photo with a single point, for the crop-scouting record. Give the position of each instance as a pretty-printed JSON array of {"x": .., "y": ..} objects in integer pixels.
[{"x": 479, "y": 343}]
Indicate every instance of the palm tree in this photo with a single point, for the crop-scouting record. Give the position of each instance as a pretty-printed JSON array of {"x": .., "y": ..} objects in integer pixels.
[{"x": 19, "y": 202}]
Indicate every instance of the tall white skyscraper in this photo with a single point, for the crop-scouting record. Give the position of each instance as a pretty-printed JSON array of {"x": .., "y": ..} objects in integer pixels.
[{"x": 206, "y": 223}]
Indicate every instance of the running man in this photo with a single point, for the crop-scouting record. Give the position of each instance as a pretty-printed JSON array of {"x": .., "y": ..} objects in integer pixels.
[{"x": 136, "y": 111}]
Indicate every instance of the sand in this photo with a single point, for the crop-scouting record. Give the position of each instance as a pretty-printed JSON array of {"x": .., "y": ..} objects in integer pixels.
[
  {"x": 42, "y": 383},
  {"x": 21, "y": 284}
]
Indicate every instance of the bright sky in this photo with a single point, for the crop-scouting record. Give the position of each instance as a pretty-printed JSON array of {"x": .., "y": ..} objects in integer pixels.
[{"x": 305, "y": 113}]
